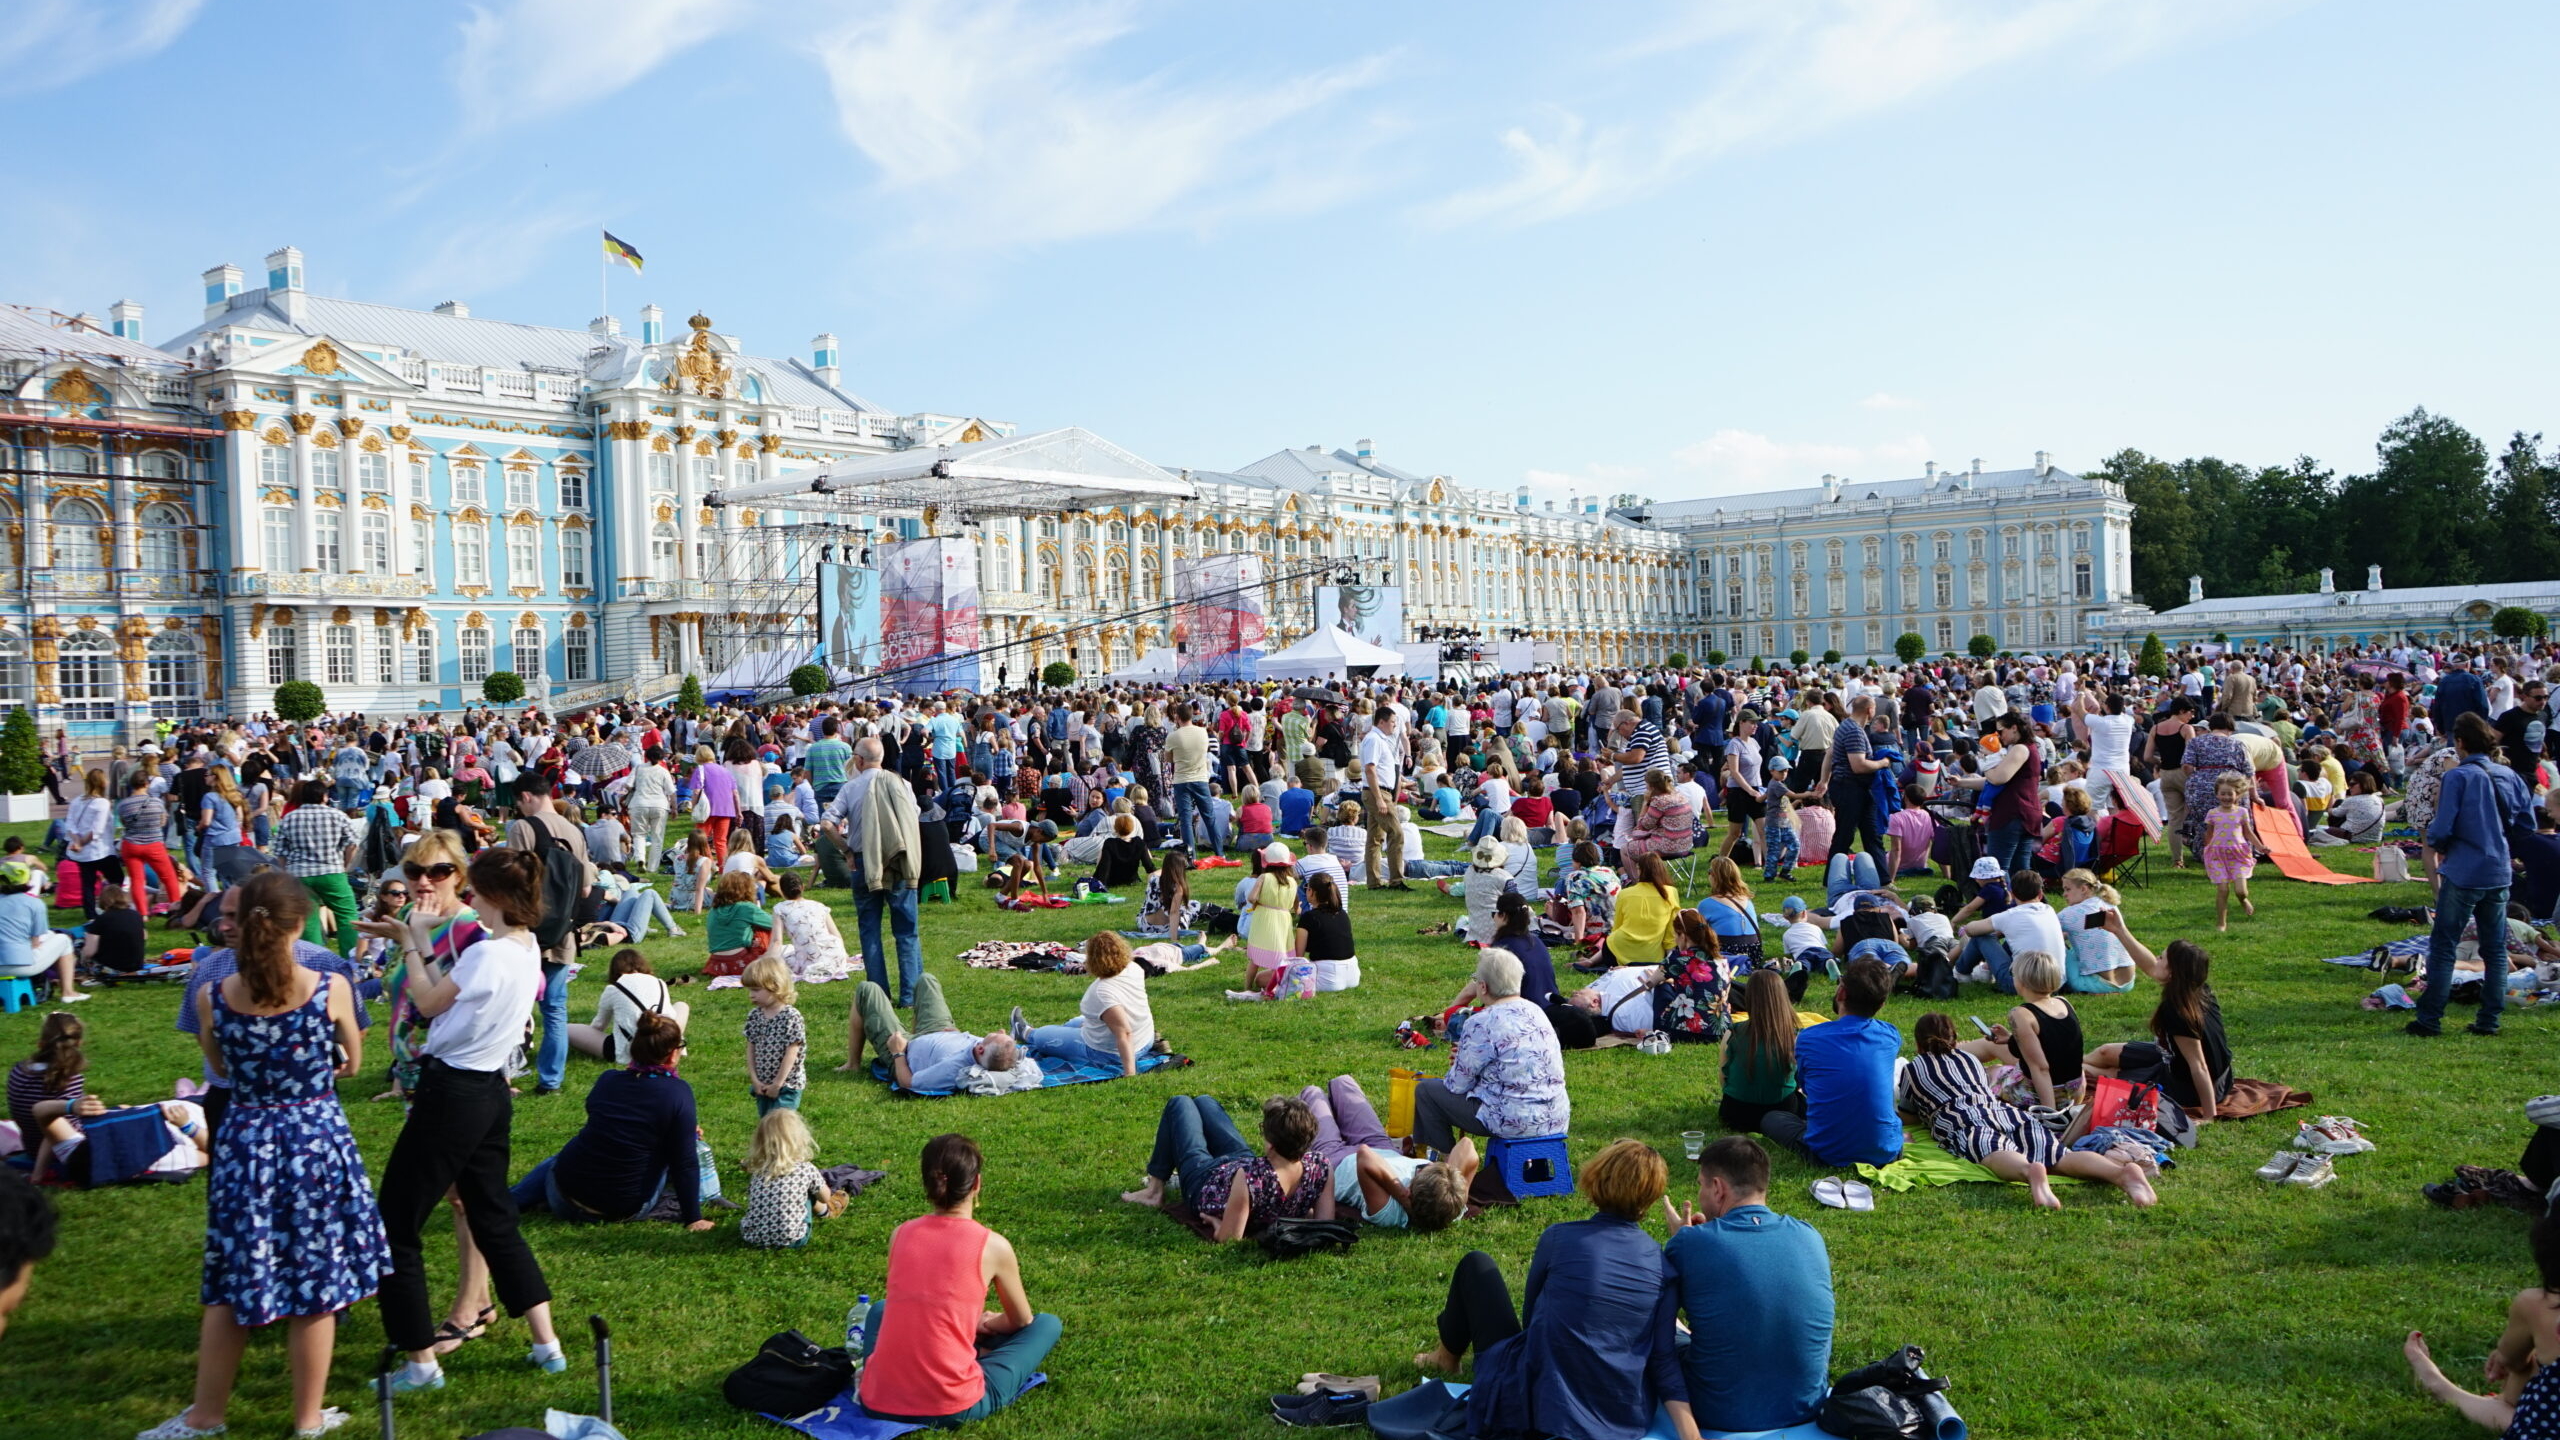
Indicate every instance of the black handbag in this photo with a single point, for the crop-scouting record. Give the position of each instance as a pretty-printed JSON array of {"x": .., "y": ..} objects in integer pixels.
[
  {"x": 1289, "y": 1239},
  {"x": 790, "y": 1375},
  {"x": 1892, "y": 1399}
]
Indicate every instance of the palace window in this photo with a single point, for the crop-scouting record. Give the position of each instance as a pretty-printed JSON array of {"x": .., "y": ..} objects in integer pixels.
[
  {"x": 577, "y": 653},
  {"x": 386, "y": 656},
  {"x": 17, "y": 672},
  {"x": 157, "y": 542},
  {"x": 1942, "y": 547},
  {"x": 324, "y": 470},
  {"x": 1946, "y": 636},
  {"x": 528, "y": 653},
  {"x": 275, "y": 465},
  {"x": 471, "y": 554},
  {"x": 422, "y": 549},
  {"x": 328, "y": 531},
  {"x": 339, "y": 646},
  {"x": 467, "y": 489},
  {"x": 1946, "y": 589},
  {"x": 1910, "y": 551},
  {"x": 374, "y": 533},
  {"x": 422, "y": 652},
  {"x": 475, "y": 654},
  {"x": 664, "y": 548},
  {"x": 573, "y": 558},
  {"x": 373, "y": 473},
  {"x": 284, "y": 649},
  {"x": 662, "y": 474},
  {"x": 519, "y": 487},
  {"x": 1872, "y": 550},
  {"x": 418, "y": 487},
  {"x": 75, "y": 535},
  {"x": 573, "y": 489},
  {"x": 524, "y": 555},
  {"x": 2082, "y": 578},
  {"x": 88, "y": 676}
]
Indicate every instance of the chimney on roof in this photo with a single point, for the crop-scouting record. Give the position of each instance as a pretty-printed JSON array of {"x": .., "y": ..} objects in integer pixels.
[
  {"x": 1551, "y": 507},
  {"x": 2195, "y": 589},
  {"x": 1522, "y": 497},
  {"x": 1363, "y": 449},
  {"x": 2373, "y": 577},
  {"x": 2044, "y": 464},
  {"x": 2328, "y": 581},
  {"x": 653, "y": 324},
  {"x": 1929, "y": 475},
  {"x": 284, "y": 282},
  {"x": 1591, "y": 506},
  {"x": 604, "y": 327},
  {"x": 822, "y": 353},
  {"x": 1830, "y": 487},
  {"x": 455, "y": 308},
  {"x": 126, "y": 316},
  {"x": 1977, "y": 466},
  {"x": 220, "y": 284}
]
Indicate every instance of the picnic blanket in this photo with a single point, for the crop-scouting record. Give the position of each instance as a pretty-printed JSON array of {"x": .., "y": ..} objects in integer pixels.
[
  {"x": 2415, "y": 947},
  {"x": 2285, "y": 848},
  {"x": 843, "y": 1418},
  {"x": 1021, "y": 955},
  {"x": 1053, "y": 1073},
  {"x": 1660, "y": 1429},
  {"x": 1455, "y": 829},
  {"x": 2250, "y": 1098},
  {"x": 1930, "y": 1163}
]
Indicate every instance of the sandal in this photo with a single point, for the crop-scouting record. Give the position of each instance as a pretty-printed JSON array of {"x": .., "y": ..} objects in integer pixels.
[{"x": 450, "y": 1337}]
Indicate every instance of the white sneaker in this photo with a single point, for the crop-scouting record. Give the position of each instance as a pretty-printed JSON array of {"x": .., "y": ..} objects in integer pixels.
[
  {"x": 1244, "y": 994},
  {"x": 2279, "y": 1169},
  {"x": 2332, "y": 1135},
  {"x": 2312, "y": 1172},
  {"x": 177, "y": 1428},
  {"x": 330, "y": 1419}
]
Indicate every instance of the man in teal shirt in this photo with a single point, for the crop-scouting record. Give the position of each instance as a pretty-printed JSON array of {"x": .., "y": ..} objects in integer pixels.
[
  {"x": 827, "y": 760},
  {"x": 1756, "y": 1286}
]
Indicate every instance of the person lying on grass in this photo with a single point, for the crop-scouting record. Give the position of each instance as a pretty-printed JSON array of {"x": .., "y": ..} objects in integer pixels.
[
  {"x": 938, "y": 1052},
  {"x": 1237, "y": 1191},
  {"x": 1948, "y": 1090},
  {"x": 1377, "y": 1180},
  {"x": 2526, "y": 1404}
]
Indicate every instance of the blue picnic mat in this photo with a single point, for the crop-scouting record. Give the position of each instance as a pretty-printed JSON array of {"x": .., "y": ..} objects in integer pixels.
[
  {"x": 1661, "y": 1428},
  {"x": 2400, "y": 949},
  {"x": 1052, "y": 1074},
  {"x": 843, "y": 1418}
]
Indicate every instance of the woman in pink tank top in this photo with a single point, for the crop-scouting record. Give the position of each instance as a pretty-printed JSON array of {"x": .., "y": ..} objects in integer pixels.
[{"x": 934, "y": 1355}]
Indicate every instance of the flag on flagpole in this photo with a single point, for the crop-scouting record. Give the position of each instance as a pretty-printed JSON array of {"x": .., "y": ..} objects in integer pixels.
[{"x": 617, "y": 250}]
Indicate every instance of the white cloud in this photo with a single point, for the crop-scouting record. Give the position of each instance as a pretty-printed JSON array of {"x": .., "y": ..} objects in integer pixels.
[
  {"x": 477, "y": 259},
  {"x": 1744, "y": 460},
  {"x": 1886, "y": 400},
  {"x": 50, "y": 43},
  {"x": 533, "y": 58},
  {"x": 990, "y": 118},
  {"x": 1767, "y": 71}
]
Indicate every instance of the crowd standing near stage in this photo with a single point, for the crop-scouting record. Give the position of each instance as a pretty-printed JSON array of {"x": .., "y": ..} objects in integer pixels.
[{"x": 407, "y": 902}]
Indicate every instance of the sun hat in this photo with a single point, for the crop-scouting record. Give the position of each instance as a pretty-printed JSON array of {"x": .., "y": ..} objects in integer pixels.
[
  {"x": 1986, "y": 868},
  {"x": 1490, "y": 854},
  {"x": 1276, "y": 853}
]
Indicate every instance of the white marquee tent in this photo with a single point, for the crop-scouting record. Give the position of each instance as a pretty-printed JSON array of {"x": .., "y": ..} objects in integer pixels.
[
  {"x": 1331, "y": 653},
  {"x": 1156, "y": 667}
]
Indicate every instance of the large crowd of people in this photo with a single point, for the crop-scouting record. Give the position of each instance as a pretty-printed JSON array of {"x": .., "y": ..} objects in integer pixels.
[{"x": 429, "y": 881}]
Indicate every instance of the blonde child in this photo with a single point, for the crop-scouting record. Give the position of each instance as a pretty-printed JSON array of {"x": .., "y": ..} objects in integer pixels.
[
  {"x": 2230, "y": 848},
  {"x": 785, "y": 1192},
  {"x": 777, "y": 1038}
]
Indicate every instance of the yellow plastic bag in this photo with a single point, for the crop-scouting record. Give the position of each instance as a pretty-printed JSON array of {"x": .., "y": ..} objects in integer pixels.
[{"x": 1400, "y": 1085}]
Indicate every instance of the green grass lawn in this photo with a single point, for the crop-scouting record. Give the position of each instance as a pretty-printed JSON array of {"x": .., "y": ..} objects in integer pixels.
[{"x": 2231, "y": 1309}]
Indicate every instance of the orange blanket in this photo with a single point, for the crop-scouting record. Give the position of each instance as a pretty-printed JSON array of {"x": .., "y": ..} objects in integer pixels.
[{"x": 2285, "y": 848}]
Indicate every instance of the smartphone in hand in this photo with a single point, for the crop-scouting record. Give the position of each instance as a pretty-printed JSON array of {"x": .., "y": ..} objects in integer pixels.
[{"x": 1978, "y": 1025}]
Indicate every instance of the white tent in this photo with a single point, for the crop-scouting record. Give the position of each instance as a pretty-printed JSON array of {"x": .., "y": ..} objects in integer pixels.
[
  {"x": 1331, "y": 653},
  {"x": 1156, "y": 667},
  {"x": 759, "y": 670}
]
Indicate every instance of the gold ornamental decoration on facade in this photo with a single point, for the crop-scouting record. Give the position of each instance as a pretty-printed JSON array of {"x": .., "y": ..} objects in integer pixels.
[{"x": 700, "y": 366}]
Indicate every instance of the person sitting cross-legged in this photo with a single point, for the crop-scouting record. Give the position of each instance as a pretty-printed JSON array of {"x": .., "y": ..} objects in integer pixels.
[
  {"x": 1756, "y": 1286},
  {"x": 936, "y": 1053},
  {"x": 1844, "y": 1070}
]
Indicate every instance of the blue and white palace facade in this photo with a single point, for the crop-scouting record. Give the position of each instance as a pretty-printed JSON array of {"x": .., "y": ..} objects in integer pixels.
[{"x": 394, "y": 503}]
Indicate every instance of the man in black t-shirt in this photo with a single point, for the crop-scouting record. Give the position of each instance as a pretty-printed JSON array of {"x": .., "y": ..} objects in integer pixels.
[{"x": 2524, "y": 733}]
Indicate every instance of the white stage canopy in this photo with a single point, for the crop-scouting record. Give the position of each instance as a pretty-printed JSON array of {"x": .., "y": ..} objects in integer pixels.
[
  {"x": 1053, "y": 471},
  {"x": 1330, "y": 654}
]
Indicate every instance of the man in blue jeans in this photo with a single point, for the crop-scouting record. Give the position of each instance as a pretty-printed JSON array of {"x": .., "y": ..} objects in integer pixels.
[
  {"x": 848, "y": 821},
  {"x": 1187, "y": 757},
  {"x": 2478, "y": 804}
]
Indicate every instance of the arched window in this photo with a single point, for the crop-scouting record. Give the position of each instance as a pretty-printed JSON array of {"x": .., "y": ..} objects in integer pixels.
[
  {"x": 17, "y": 672},
  {"x": 88, "y": 676},
  {"x": 664, "y": 547},
  {"x": 662, "y": 474},
  {"x": 573, "y": 558},
  {"x": 471, "y": 554},
  {"x": 527, "y": 652},
  {"x": 75, "y": 536},
  {"x": 374, "y": 550},
  {"x": 174, "y": 669},
  {"x": 475, "y": 654},
  {"x": 158, "y": 541}
]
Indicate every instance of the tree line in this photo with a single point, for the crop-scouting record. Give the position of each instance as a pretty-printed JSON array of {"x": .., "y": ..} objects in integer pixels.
[{"x": 2437, "y": 509}]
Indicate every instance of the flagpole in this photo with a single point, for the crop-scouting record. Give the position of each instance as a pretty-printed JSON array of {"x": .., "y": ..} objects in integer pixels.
[{"x": 604, "y": 278}]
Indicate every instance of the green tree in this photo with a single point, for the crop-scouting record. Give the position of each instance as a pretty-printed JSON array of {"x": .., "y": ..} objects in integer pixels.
[
  {"x": 502, "y": 687},
  {"x": 1677, "y": 660},
  {"x": 809, "y": 680},
  {"x": 1981, "y": 647},
  {"x": 1830, "y": 657},
  {"x": 1716, "y": 658},
  {"x": 21, "y": 754},
  {"x": 1798, "y": 658},
  {"x": 2512, "y": 622},
  {"x": 1057, "y": 674},
  {"x": 1758, "y": 667},
  {"x": 300, "y": 701},
  {"x": 2423, "y": 513},
  {"x": 1910, "y": 646},
  {"x": 2154, "y": 659},
  {"x": 689, "y": 702},
  {"x": 2524, "y": 513},
  {"x": 2277, "y": 576}
]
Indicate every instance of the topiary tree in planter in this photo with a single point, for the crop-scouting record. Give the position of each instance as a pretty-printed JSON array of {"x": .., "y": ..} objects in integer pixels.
[
  {"x": 689, "y": 701},
  {"x": 2154, "y": 659},
  {"x": 809, "y": 680},
  {"x": 502, "y": 687},
  {"x": 1677, "y": 660},
  {"x": 1830, "y": 657},
  {"x": 1982, "y": 647},
  {"x": 300, "y": 701},
  {"x": 1057, "y": 674},
  {"x": 2514, "y": 622},
  {"x": 1798, "y": 658},
  {"x": 1716, "y": 658},
  {"x": 1759, "y": 666},
  {"x": 1910, "y": 646},
  {"x": 22, "y": 768}
]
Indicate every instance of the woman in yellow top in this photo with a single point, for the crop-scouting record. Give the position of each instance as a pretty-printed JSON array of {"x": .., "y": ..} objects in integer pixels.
[
  {"x": 1271, "y": 924},
  {"x": 1641, "y": 932}
]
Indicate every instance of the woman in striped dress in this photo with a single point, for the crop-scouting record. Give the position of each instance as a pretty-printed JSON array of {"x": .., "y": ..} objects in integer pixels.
[{"x": 1950, "y": 1091}]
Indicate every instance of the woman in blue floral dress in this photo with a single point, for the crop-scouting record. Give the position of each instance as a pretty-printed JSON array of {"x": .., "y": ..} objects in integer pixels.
[{"x": 291, "y": 1232}]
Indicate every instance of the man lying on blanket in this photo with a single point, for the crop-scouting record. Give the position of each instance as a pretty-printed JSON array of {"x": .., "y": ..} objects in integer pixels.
[{"x": 937, "y": 1054}]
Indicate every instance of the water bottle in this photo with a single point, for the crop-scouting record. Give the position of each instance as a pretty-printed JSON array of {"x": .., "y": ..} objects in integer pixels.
[{"x": 854, "y": 1321}]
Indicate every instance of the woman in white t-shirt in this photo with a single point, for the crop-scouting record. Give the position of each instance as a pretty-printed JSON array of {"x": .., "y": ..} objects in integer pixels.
[
  {"x": 1113, "y": 1026},
  {"x": 2108, "y": 733},
  {"x": 462, "y": 1112},
  {"x": 630, "y": 992}
]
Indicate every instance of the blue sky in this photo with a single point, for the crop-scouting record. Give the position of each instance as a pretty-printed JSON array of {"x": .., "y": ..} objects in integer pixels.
[{"x": 1675, "y": 249}]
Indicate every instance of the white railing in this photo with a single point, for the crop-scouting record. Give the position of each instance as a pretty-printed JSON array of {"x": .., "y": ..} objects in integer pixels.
[
  {"x": 801, "y": 417},
  {"x": 414, "y": 371},
  {"x": 168, "y": 390},
  {"x": 458, "y": 377},
  {"x": 516, "y": 383}
]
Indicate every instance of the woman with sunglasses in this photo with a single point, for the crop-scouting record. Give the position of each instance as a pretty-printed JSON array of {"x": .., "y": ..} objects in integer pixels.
[{"x": 432, "y": 881}]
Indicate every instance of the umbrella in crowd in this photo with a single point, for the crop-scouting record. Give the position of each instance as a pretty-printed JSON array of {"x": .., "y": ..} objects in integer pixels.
[{"x": 602, "y": 760}]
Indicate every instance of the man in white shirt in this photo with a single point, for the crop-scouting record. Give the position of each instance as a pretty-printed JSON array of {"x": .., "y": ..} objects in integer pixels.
[
  {"x": 1990, "y": 702},
  {"x": 1187, "y": 752},
  {"x": 1996, "y": 941},
  {"x": 1381, "y": 756}
]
